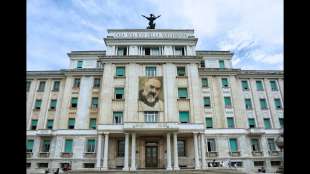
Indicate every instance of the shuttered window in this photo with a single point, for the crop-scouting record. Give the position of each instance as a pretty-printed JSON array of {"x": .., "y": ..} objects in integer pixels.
[
  {"x": 91, "y": 144},
  {"x": 181, "y": 71},
  {"x": 273, "y": 85},
  {"x": 184, "y": 116},
  {"x": 230, "y": 122},
  {"x": 71, "y": 123},
  {"x": 53, "y": 104},
  {"x": 251, "y": 123},
  {"x": 222, "y": 64},
  {"x": 277, "y": 103},
  {"x": 209, "y": 122},
  {"x": 50, "y": 123},
  {"x": 119, "y": 93},
  {"x": 29, "y": 145},
  {"x": 206, "y": 102},
  {"x": 205, "y": 83},
  {"x": 182, "y": 92},
  {"x": 267, "y": 123},
  {"x": 37, "y": 104},
  {"x": 245, "y": 85},
  {"x": 68, "y": 145},
  {"x": 248, "y": 103},
  {"x": 92, "y": 123},
  {"x": 233, "y": 145},
  {"x": 227, "y": 102},
  {"x": 79, "y": 64},
  {"x": 120, "y": 71},
  {"x": 34, "y": 123},
  {"x": 74, "y": 102},
  {"x": 225, "y": 83},
  {"x": 263, "y": 103},
  {"x": 259, "y": 85}
]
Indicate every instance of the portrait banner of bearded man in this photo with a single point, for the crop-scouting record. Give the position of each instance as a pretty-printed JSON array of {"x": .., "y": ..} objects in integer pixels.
[{"x": 151, "y": 94}]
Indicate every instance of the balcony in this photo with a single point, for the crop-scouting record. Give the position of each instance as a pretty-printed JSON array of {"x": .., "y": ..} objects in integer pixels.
[
  {"x": 212, "y": 154},
  {"x": 44, "y": 132},
  {"x": 29, "y": 154},
  {"x": 274, "y": 153},
  {"x": 90, "y": 155},
  {"x": 93, "y": 110},
  {"x": 257, "y": 153},
  {"x": 234, "y": 154},
  {"x": 255, "y": 131},
  {"x": 44, "y": 154},
  {"x": 159, "y": 126},
  {"x": 66, "y": 154}
]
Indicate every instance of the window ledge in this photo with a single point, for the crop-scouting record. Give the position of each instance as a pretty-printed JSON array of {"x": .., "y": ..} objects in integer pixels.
[
  {"x": 90, "y": 154},
  {"x": 212, "y": 154},
  {"x": 52, "y": 109},
  {"x": 183, "y": 99},
  {"x": 66, "y": 154},
  {"x": 36, "y": 110},
  {"x": 181, "y": 77},
  {"x": 234, "y": 154},
  {"x": 118, "y": 99},
  {"x": 44, "y": 154},
  {"x": 120, "y": 77},
  {"x": 257, "y": 153}
]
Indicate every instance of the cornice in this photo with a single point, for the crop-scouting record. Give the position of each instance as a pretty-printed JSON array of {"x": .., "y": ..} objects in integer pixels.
[
  {"x": 150, "y": 30},
  {"x": 241, "y": 73},
  {"x": 83, "y": 72},
  {"x": 150, "y": 59},
  {"x": 64, "y": 72},
  {"x": 217, "y": 71}
]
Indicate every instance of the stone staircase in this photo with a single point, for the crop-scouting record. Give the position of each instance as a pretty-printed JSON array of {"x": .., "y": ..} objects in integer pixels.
[{"x": 161, "y": 171}]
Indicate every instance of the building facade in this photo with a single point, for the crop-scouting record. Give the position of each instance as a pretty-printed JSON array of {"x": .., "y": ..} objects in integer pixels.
[{"x": 151, "y": 100}]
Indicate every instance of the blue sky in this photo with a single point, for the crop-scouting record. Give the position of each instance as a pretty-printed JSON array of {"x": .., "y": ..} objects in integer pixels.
[{"x": 252, "y": 29}]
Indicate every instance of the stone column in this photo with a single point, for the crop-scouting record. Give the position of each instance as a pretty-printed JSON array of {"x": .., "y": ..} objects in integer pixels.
[
  {"x": 197, "y": 165},
  {"x": 168, "y": 152},
  {"x": 203, "y": 151},
  {"x": 126, "y": 152},
  {"x": 98, "y": 163},
  {"x": 133, "y": 151},
  {"x": 175, "y": 148},
  {"x": 106, "y": 146}
]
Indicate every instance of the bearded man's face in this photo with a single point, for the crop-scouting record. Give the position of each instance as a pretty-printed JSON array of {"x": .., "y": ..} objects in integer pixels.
[{"x": 151, "y": 90}]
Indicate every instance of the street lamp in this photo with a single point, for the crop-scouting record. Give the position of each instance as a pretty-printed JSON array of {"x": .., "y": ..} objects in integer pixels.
[{"x": 280, "y": 144}]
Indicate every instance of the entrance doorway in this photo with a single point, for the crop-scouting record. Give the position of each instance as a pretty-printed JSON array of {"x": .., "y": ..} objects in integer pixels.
[{"x": 151, "y": 155}]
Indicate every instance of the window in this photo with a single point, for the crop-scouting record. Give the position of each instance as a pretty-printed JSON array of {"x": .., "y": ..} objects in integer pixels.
[
  {"x": 202, "y": 64},
  {"x": 56, "y": 86},
  {"x": 28, "y": 165},
  {"x": 222, "y": 64},
  {"x": 28, "y": 83},
  {"x": 181, "y": 148},
  {"x": 53, "y": 104},
  {"x": 151, "y": 116},
  {"x": 42, "y": 165},
  {"x": 119, "y": 93},
  {"x": 49, "y": 124},
  {"x": 65, "y": 165},
  {"x": 94, "y": 102},
  {"x": 182, "y": 93},
  {"x": 29, "y": 145},
  {"x": 209, "y": 122},
  {"x": 225, "y": 83},
  {"x": 251, "y": 123},
  {"x": 248, "y": 104},
  {"x": 277, "y": 103},
  {"x": 41, "y": 86},
  {"x": 74, "y": 102},
  {"x": 76, "y": 83},
  {"x": 255, "y": 145},
  {"x": 259, "y": 85},
  {"x": 147, "y": 51},
  {"x": 275, "y": 163},
  {"x": 211, "y": 147},
  {"x": 281, "y": 121},
  {"x": 155, "y": 51},
  {"x": 91, "y": 144},
  {"x": 34, "y": 123},
  {"x": 273, "y": 85},
  {"x": 150, "y": 71},
  {"x": 181, "y": 70},
  {"x": 96, "y": 83},
  {"x": 68, "y": 146},
  {"x": 206, "y": 102},
  {"x": 271, "y": 144},
  {"x": 179, "y": 51},
  {"x": 89, "y": 165},
  {"x": 79, "y": 64},
  {"x": 92, "y": 123},
  {"x": 184, "y": 116},
  {"x": 230, "y": 122},
  {"x": 117, "y": 117},
  {"x": 245, "y": 85},
  {"x": 227, "y": 102},
  {"x": 259, "y": 163},
  {"x": 204, "y": 82},
  {"x": 71, "y": 123},
  {"x": 267, "y": 123},
  {"x": 122, "y": 51},
  {"x": 263, "y": 103},
  {"x": 233, "y": 145},
  {"x": 45, "y": 147},
  {"x": 236, "y": 163},
  {"x": 120, "y": 148},
  {"x": 120, "y": 71},
  {"x": 37, "y": 104}
]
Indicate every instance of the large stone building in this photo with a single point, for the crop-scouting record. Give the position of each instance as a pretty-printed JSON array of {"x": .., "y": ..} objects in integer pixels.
[{"x": 151, "y": 100}]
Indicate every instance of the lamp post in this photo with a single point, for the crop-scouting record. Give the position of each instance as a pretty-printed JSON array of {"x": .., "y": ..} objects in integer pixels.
[{"x": 280, "y": 144}]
